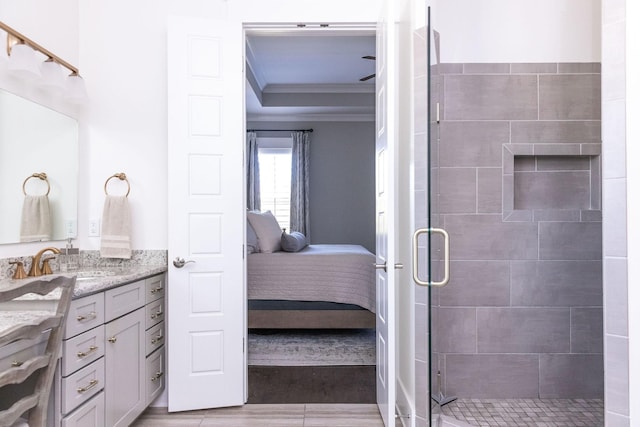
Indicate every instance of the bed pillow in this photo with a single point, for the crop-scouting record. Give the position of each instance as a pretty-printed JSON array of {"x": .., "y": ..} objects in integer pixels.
[
  {"x": 293, "y": 242},
  {"x": 267, "y": 230},
  {"x": 252, "y": 240}
]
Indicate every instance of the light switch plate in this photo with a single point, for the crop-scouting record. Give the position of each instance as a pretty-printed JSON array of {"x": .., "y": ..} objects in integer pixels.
[
  {"x": 94, "y": 228},
  {"x": 71, "y": 228}
]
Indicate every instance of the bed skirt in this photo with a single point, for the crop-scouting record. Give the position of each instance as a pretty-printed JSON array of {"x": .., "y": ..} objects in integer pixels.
[{"x": 278, "y": 314}]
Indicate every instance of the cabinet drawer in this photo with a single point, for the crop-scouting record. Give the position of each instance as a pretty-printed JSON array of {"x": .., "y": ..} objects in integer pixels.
[
  {"x": 124, "y": 299},
  {"x": 155, "y": 375},
  {"x": 155, "y": 312},
  {"x": 155, "y": 338},
  {"x": 85, "y": 313},
  {"x": 91, "y": 414},
  {"x": 155, "y": 287},
  {"x": 18, "y": 352},
  {"x": 82, "y": 385},
  {"x": 79, "y": 351}
]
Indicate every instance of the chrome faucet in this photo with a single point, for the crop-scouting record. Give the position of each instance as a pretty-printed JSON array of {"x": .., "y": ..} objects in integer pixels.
[{"x": 35, "y": 269}]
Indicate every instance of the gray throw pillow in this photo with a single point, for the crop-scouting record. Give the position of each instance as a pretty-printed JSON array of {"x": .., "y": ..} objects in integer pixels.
[{"x": 293, "y": 242}]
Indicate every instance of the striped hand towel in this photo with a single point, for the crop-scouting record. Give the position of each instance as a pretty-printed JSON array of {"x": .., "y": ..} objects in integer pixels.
[
  {"x": 116, "y": 228},
  {"x": 35, "y": 224}
]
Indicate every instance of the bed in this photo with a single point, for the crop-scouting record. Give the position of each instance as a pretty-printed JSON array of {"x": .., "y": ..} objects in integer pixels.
[{"x": 321, "y": 286}]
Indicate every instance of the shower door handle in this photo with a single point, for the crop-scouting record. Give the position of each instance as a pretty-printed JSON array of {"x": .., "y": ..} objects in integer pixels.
[{"x": 417, "y": 279}]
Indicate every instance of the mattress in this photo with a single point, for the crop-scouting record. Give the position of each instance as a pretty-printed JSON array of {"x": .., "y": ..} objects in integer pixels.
[{"x": 334, "y": 273}]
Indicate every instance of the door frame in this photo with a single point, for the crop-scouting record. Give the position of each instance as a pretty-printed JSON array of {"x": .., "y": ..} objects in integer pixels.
[{"x": 354, "y": 29}]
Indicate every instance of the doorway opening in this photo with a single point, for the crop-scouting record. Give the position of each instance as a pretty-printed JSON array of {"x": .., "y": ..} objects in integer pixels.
[{"x": 311, "y": 339}]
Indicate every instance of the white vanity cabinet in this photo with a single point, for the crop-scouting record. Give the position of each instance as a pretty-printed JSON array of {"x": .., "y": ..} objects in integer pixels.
[{"x": 111, "y": 345}]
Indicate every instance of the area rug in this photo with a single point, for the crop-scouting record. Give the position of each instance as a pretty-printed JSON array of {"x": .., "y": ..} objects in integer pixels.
[{"x": 312, "y": 347}]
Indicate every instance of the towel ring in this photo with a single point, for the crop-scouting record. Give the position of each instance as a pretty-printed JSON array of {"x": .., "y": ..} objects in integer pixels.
[
  {"x": 122, "y": 177},
  {"x": 42, "y": 176}
]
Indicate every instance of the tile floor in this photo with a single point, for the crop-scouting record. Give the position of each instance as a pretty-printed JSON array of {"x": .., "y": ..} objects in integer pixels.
[
  {"x": 527, "y": 412},
  {"x": 475, "y": 412},
  {"x": 278, "y": 415}
]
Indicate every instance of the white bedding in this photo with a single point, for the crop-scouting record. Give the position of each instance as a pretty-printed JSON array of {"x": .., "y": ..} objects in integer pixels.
[{"x": 334, "y": 273}]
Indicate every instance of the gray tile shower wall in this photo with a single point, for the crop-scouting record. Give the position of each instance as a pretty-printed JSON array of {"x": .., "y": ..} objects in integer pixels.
[{"x": 518, "y": 190}]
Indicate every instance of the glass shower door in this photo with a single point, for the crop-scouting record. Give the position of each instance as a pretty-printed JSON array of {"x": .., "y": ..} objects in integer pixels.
[{"x": 431, "y": 243}]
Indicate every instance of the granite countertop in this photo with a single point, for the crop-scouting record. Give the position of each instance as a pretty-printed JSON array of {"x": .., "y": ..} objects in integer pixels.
[
  {"x": 93, "y": 280},
  {"x": 88, "y": 282}
]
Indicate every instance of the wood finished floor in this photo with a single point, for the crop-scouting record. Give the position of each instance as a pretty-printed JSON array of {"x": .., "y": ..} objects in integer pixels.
[{"x": 268, "y": 415}]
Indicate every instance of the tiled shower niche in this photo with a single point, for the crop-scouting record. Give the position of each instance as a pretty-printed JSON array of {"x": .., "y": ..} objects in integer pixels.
[{"x": 551, "y": 184}]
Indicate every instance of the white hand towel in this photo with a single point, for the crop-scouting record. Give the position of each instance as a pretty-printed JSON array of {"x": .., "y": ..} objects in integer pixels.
[
  {"x": 116, "y": 228},
  {"x": 35, "y": 224}
]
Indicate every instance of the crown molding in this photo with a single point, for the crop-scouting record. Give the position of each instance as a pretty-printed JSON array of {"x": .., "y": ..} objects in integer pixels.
[
  {"x": 320, "y": 88},
  {"x": 332, "y": 117},
  {"x": 251, "y": 61}
]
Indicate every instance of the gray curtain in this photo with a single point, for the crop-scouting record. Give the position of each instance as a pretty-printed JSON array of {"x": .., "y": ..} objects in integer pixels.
[
  {"x": 300, "y": 183},
  {"x": 253, "y": 173}
]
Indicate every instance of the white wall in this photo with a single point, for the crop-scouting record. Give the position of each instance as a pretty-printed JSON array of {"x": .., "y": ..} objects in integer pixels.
[
  {"x": 405, "y": 287},
  {"x": 518, "y": 31}
]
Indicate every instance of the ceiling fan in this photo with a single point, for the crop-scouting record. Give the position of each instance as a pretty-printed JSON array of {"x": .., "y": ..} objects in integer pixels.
[{"x": 370, "y": 76}]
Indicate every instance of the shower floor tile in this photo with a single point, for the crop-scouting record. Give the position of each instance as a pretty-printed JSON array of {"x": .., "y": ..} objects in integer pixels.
[{"x": 527, "y": 412}]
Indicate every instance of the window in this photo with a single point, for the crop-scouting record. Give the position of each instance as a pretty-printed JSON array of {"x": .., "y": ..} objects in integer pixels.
[{"x": 274, "y": 156}]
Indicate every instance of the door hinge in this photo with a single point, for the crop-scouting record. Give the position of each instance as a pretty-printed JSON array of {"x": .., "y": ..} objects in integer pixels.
[{"x": 437, "y": 112}]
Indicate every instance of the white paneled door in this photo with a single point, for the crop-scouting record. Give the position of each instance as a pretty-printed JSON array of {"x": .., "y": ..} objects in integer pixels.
[
  {"x": 385, "y": 218},
  {"x": 206, "y": 327}
]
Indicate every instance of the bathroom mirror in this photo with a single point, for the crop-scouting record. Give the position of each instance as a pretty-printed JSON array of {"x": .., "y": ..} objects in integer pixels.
[{"x": 36, "y": 139}]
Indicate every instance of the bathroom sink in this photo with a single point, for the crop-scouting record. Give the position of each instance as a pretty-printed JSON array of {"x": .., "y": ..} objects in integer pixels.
[{"x": 92, "y": 275}]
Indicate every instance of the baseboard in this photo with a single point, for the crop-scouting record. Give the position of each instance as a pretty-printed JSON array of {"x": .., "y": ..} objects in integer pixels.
[{"x": 404, "y": 406}]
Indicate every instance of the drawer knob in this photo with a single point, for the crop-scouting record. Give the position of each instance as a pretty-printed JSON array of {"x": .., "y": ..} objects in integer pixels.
[
  {"x": 16, "y": 363},
  {"x": 112, "y": 340},
  {"x": 89, "y": 386},
  {"x": 156, "y": 290},
  {"x": 157, "y": 338},
  {"x": 82, "y": 354},
  {"x": 156, "y": 314},
  {"x": 86, "y": 317},
  {"x": 157, "y": 376}
]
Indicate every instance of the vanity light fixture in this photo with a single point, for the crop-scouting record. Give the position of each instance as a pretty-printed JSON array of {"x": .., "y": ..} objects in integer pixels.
[
  {"x": 76, "y": 90},
  {"x": 22, "y": 59},
  {"x": 53, "y": 75}
]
